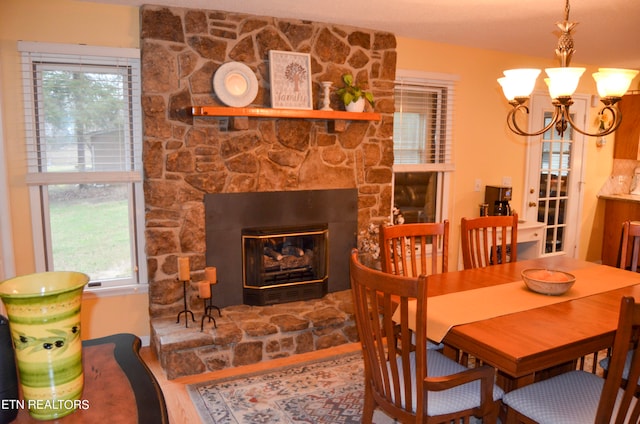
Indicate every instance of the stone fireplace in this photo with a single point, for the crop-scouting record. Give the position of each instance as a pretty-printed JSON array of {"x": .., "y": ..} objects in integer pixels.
[{"x": 187, "y": 158}]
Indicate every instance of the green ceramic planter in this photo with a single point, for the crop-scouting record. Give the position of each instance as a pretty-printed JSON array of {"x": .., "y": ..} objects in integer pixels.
[{"x": 44, "y": 317}]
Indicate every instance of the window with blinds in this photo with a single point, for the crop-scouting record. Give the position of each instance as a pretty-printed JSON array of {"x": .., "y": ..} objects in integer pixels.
[
  {"x": 422, "y": 122},
  {"x": 422, "y": 146},
  {"x": 84, "y": 160},
  {"x": 82, "y": 112}
]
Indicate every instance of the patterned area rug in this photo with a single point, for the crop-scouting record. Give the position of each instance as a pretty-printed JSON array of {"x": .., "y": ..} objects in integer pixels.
[{"x": 328, "y": 391}]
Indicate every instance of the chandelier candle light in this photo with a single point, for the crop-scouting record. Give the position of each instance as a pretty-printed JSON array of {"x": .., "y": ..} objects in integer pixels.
[{"x": 612, "y": 84}]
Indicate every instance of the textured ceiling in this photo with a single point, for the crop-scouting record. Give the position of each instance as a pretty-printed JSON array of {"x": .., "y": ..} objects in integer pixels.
[{"x": 608, "y": 33}]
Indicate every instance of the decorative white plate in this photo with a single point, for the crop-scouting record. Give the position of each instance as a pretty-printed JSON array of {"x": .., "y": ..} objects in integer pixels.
[{"x": 235, "y": 84}]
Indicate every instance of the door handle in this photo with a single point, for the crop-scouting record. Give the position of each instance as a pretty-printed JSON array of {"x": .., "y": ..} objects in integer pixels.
[{"x": 533, "y": 204}]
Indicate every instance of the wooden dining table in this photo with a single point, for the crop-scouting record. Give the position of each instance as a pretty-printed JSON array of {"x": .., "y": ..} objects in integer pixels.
[{"x": 526, "y": 344}]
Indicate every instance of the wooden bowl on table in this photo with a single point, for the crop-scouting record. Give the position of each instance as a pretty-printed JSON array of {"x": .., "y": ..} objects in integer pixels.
[{"x": 548, "y": 281}]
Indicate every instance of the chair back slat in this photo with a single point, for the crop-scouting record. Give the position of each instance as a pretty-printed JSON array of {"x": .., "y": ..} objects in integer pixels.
[
  {"x": 417, "y": 249},
  {"x": 630, "y": 245},
  {"x": 489, "y": 240},
  {"x": 626, "y": 337}
]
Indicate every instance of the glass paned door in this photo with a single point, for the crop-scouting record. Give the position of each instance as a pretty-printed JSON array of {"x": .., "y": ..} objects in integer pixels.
[
  {"x": 555, "y": 172},
  {"x": 555, "y": 177}
]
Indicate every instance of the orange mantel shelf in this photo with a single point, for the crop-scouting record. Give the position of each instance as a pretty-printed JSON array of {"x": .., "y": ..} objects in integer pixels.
[{"x": 283, "y": 113}]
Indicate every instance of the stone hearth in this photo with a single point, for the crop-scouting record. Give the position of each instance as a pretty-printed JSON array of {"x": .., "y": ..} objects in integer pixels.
[{"x": 250, "y": 334}]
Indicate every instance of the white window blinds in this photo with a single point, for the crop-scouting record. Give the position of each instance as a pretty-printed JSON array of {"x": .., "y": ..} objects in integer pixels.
[
  {"x": 82, "y": 113},
  {"x": 423, "y": 122}
]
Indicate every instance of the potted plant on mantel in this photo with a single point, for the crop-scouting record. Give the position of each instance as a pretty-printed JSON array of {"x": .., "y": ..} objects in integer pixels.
[{"x": 353, "y": 96}]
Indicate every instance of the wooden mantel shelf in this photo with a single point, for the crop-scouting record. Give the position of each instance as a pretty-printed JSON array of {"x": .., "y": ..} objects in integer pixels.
[{"x": 283, "y": 113}]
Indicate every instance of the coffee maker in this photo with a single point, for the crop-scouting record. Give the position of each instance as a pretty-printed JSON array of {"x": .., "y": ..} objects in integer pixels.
[{"x": 498, "y": 197}]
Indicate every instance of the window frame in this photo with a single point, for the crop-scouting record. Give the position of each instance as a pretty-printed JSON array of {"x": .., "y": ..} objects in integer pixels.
[
  {"x": 7, "y": 258},
  {"x": 38, "y": 180},
  {"x": 445, "y": 169}
]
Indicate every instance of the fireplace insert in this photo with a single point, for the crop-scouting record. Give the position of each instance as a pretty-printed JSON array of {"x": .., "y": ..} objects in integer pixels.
[{"x": 284, "y": 264}]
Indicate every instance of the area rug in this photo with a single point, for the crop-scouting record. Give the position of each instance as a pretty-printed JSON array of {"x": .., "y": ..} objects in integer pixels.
[{"x": 325, "y": 391}]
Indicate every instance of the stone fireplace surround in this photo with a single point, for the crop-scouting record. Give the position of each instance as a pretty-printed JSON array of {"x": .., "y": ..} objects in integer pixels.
[{"x": 186, "y": 157}]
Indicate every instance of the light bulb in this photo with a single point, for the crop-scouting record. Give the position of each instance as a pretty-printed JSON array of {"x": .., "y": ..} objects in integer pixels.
[
  {"x": 612, "y": 82},
  {"x": 563, "y": 81},
  {"x": 521, "y": 82}
]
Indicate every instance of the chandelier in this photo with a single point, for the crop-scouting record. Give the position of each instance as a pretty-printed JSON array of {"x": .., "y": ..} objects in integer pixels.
[{"x": 612, "y": 84}]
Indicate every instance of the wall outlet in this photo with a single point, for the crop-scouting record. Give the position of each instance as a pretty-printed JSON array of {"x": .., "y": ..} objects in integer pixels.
[
  {"x": 506, "y": 181},
  {"x": 477, "y": 186}
]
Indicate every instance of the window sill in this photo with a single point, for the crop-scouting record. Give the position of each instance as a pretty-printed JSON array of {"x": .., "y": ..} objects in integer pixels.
[{"x": 118, "y": 291}]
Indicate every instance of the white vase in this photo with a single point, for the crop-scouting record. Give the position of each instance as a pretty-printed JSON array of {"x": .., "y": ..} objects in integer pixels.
[{"x": 357, "y": 106}]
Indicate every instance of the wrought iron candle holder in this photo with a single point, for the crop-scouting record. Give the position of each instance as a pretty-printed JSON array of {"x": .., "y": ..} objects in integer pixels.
[
  {"x": 186, "y": 310},
  {"x": 208, "y": 308},
  {"x": 207, "y": 315}
]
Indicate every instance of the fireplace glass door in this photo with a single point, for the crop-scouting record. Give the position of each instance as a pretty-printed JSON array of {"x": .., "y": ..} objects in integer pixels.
[{"x": 285, "y": 262}]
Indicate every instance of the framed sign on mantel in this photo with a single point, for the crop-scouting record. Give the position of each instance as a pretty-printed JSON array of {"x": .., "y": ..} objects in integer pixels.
[{"x": 290, "y": 75}]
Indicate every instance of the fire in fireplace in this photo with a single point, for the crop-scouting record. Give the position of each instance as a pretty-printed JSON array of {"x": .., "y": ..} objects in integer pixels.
[{"x": 284, "y": 264}]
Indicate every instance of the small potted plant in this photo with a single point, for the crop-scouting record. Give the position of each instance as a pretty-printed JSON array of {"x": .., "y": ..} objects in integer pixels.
[{"x": 353, "y": 96}]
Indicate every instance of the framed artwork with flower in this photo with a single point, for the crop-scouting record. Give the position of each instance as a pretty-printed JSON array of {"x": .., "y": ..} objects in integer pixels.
[{"x": 290, "y": 76}]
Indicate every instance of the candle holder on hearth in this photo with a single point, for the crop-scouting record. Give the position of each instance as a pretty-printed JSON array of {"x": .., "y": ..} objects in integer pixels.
[
  {"x": 207, "y": 315},
  {"x": 208, "y": 308},
  {"x": 186, "y": 310}
]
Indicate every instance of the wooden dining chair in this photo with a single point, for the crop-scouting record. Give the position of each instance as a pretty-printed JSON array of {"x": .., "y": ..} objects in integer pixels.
[
  {"x": 629, "y": 252},
  {"x": 414, "y": 249},
  {"x": 582, "y": 397},
  {"x": 630, "y": 246},
  {"x": 489, "y": 240},
  {"x": 413, "y": 385}
]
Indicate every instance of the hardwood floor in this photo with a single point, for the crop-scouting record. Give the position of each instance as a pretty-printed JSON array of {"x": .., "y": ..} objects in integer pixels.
[{"x": 179, "y": 405}]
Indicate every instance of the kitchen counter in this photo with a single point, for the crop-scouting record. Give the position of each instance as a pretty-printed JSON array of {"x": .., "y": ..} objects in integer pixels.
[
  {"x": 533, "y": 225},
  {"x": 620, "y": 197}
]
